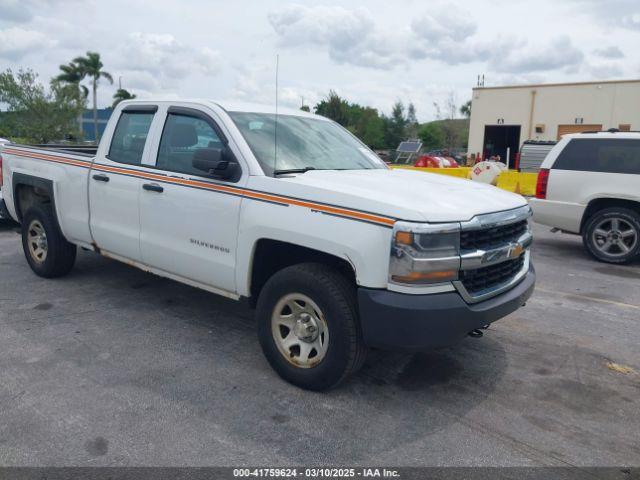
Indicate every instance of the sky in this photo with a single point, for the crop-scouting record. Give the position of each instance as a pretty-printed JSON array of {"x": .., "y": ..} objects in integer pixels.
[{"x": 373, "y": 53}]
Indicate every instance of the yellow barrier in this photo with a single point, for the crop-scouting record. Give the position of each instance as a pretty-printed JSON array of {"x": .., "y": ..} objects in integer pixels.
[
  {"x": 522, "y": 183},
  {"x": 462, "y": 172}
]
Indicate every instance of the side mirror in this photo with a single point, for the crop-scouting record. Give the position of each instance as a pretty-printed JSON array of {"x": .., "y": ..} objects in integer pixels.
[{"x": 216, "y": 162}]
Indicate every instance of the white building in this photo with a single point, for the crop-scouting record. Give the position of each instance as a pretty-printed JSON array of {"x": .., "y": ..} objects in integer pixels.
[{"x": 504, "y": 117}]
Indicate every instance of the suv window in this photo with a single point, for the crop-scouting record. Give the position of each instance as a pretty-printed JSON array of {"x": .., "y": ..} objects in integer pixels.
[
  {"x": 181, "y": 138},
  {"x": 130, "y": 136},
  {"x": 600, "y": 155}
]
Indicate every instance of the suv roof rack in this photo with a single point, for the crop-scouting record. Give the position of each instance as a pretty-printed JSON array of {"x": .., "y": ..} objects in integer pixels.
[
  {"x": 540, "y": 142},
  {"x": 611, "y": 130}
]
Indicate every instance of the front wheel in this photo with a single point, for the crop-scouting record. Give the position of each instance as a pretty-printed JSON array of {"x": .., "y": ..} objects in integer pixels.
[
  {"x": 49, "y": 254},
  {"x": 612, "y": 235},
  {"x": 308, "y": 326}
]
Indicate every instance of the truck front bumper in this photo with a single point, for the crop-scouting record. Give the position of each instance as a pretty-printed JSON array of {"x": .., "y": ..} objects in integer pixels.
[{"x": 400, "y": 321}]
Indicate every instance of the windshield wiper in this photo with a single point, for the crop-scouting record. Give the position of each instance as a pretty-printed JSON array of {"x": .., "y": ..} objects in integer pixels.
[{"x": 293, "y": 170}]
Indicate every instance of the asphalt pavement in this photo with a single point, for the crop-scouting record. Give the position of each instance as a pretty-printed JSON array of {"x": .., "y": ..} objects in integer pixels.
[{"x": 114, "y": 366}]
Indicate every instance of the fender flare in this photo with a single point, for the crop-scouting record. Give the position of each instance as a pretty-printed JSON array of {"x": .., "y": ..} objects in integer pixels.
[{"x": 19, "y": 179}]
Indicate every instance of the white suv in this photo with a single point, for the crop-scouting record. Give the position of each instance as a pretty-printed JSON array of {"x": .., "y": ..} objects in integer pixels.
[{"x": 589, "y": 184}]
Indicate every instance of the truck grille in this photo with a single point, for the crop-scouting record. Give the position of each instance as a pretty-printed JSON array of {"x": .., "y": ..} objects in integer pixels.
[
  {"x": 486, "y": 278},
  {"x": 488, "y": 238}
]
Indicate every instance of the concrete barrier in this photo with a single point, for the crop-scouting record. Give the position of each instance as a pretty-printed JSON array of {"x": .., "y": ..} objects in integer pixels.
[{"x": 517, "y": 182}]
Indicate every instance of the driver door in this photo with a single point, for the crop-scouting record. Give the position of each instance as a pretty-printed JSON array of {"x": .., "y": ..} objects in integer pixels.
[{"x": 189, "y": 225}]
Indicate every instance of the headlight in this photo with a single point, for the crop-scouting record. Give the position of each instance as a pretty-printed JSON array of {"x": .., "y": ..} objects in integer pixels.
[{"x": 424, "y": 254}]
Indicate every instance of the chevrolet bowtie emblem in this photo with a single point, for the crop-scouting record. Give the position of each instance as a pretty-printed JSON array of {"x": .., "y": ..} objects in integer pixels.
[{"x": 516, "y": 251}]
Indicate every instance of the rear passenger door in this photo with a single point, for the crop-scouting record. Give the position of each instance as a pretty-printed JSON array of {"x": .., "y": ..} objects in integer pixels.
[
  {"x": 189, "y": 223},
  {"x": 114, "y": 188}
]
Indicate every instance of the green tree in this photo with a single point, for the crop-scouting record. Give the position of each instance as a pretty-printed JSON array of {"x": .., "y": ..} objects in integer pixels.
[
  {"x": 394, "y": 131},
  {"x": 363, "y": 122},
  {"x": 465, "y": 109},
  {"x": 367, "y": 125},
  {"x": 305, "y": 108},
  {"x": 34, "y": 114},
  {"x": 120, "y": 95},
  {"x": 411, "y": 128},
  {"x": 335, "y": 108},
  {"x": 432, "y": 136},
  {"x": 91, "y": 66}
]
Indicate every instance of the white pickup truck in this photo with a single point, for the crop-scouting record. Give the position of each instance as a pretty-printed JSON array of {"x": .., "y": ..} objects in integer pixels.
[{"x": 337, "y": 252}]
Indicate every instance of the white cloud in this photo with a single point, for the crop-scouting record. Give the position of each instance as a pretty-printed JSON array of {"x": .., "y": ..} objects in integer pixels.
[
  {"x": 163, "y": 56},
  {"x": 609, "y": 52},
  {"x": 23, "y": 11},
  {"x": 16, "y": 42},
  {"x": 350, "y": 36},
  {"x": 631, "y": 21},
  {"x": 413, "y": 51},
  {"x": 559, "y": 54},
  {"x": 605, "y": 70},
  {"x": 444, "y": 23},
  {"x": 15, "y": 11}
]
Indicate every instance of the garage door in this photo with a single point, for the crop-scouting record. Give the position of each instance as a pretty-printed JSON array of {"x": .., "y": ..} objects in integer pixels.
[{"x": 564, "y": 129}]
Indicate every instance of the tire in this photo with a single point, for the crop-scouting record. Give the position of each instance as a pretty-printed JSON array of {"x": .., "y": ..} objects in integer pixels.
[
  {"x": 51, "y": 256},
  {"x": 612, "y": 235},
  {"x": 331, "y": 299}
]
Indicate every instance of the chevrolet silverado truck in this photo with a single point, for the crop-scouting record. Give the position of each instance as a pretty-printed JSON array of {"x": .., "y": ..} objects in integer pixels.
[{"x": 337, "y": 252}]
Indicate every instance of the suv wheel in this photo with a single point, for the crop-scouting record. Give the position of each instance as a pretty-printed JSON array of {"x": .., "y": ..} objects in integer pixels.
[
  {"x": 47, "y": 251},
  {"x": 308, "y": 326},
  {"x": 612, "y": 235}
]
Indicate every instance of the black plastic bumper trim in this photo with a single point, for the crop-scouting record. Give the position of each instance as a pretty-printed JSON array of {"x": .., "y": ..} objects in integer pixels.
[{"x": 401, "y": 321}]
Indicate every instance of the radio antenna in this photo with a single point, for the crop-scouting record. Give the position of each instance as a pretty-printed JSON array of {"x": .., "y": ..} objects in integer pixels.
[{"x": 275, "y": 131}]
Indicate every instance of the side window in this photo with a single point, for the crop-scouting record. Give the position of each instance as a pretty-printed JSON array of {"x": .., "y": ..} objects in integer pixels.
[
  {"x": 129, "y": 137},
  {"x": 181, "y": 138},
  {"x": 601, "y": 155},
  {"x": 619, "y": 156}
]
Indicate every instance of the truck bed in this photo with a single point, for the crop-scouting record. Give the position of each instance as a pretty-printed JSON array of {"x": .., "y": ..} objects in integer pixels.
[
  {"x": 62, "y": 167},
  {"x": 85, "y": 150}
]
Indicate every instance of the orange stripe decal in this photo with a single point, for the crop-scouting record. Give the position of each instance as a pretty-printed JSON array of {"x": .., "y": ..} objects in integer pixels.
[{"x": 251, "y": 194}]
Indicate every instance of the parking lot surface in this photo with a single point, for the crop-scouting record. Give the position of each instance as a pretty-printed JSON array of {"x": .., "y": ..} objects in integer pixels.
[{"x": 114, "y": 366}]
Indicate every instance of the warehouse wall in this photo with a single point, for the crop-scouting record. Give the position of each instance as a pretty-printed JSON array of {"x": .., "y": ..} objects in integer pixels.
[{"x": 607, "y": 103}]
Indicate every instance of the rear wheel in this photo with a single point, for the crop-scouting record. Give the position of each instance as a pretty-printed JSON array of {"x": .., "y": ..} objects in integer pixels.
[
  {"x": 612, "y": 235},
  {"x": 49, "y": 254},
  {"x": 308, "y": 326}
]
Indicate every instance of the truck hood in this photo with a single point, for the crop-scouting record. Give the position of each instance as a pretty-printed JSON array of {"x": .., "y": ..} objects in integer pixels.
[{"x": 401, "y": 194}]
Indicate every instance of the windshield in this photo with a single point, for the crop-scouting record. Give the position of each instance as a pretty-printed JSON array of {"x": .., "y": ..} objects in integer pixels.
[{"x": 303, "y": 143}]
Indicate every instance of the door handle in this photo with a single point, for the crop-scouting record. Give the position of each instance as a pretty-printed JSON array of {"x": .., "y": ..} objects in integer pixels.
[
  {"x": 101, "y": 178},
  {"x": 153, "y": 187}
]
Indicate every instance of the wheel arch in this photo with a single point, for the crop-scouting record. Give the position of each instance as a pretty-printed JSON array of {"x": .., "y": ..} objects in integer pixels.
[
  {"x": 271, "y": 255},
  {"x": 597, "y": 204},
  {"x": 28, "y": 190}
]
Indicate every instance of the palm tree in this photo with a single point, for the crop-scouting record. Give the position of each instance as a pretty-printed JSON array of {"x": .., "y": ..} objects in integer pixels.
[
  {"x": 91, "y": 66},
  {"x": 72, "y": 75},
  {"x": 122, "y": 94}
]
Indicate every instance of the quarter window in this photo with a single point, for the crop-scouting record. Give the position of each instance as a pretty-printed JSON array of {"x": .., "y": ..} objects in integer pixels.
[
  {"x": 130, "y": 136},
  {"x": 181, "y": 138},
  {"x": 601, "y": 155}
]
